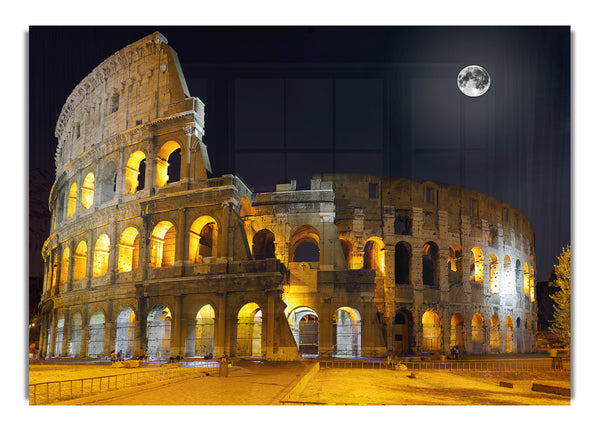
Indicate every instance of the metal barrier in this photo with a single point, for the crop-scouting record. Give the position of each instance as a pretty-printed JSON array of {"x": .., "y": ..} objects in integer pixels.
[
  {"x": 450, "y": 365},
  {"x": 51, "y": 392}
]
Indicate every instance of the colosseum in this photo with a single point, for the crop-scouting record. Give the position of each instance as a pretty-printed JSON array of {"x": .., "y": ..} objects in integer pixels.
[{"x": 149, "y": 250}]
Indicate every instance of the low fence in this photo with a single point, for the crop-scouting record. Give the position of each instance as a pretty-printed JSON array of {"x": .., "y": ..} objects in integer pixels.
[
  {"x": 451, "y": 365},
  {"x": 52, "y": 392}
]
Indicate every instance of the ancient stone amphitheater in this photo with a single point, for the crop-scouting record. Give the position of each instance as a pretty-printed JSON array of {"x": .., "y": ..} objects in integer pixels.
[{"x": 148, "y": 250}]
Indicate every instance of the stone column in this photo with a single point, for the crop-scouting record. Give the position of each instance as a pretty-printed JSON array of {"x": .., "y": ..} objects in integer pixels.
[
  {"x": 66, "y": 333},
  {"x": 151, "y": 160},
  {"x": 181, "y": 240},
  {"x": 110, "y": 328},
  {"x": 326, "y": 329},
  {"x": 140, "y": 339},
  {"x": 69, "y": 283},
  {"x": 222, "y": 341}
]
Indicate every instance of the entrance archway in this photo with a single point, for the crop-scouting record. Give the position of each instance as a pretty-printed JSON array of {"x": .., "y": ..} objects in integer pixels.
[
  {"x": 125, "y": 332},
  {"x": 477, "y": 333},
  {"x": 401, "y": 333},
  {"x": 249, "y": 330},
  {"x": 495, "y": 334},
  {"x": 432, "y": 331},
  {"x": 304, "y": 324},
  {"x": 457, "y": 331},
  {"x": 347, "y": 332},
  {"x": 60, "y": 326},
  {"x": 508, "y": 335},
  {"x": 159, "y": 332},
  {"x": 200, "y": 339},
  {"x": 96, "y": 335},
  {"x": 75, "y": 338}
]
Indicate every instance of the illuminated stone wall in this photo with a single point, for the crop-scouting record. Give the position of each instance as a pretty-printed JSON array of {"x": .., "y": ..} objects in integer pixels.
[{"x": 142, "y": 239}]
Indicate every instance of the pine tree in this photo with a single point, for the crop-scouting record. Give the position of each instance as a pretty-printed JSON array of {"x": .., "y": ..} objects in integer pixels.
[{"x": 561, "y": 325}]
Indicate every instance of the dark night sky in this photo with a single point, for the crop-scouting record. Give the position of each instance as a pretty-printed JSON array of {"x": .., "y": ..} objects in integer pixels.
[{"x": 285, "y": 102}]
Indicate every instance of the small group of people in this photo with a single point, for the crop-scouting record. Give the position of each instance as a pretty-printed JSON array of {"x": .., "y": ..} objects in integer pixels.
[
  {"x": 454, "y": 352},
  {"x": 119, "y": 357},
  {"x": 143, "y": 356}
]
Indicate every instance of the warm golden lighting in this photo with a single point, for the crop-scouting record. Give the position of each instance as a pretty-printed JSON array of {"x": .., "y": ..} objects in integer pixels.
[
  {"x": 508, "y": 335},
  {"x": 132, "y": 171},
  {"x": 72, "y": 201},
  {"x": 162, "y": 164},
  {"x": 495, "y": 333},
  {"x": 494, "y": 274},
  {"x": 249, "y": 330},
  {"x": 101, "y": 253},
  {"x": 526, "y": 280},
  {"x": 129, "y": 247},
  {"x": 64, "y": 266},
  {"x": 432, "y": 331},
  {"x": 476, "y": 273},
  {"x": 80, "y": 261},
  {"x": 87, "y": 191},
  {"x": 203, "y": 239},
  {"x": 162, "y": 245}
]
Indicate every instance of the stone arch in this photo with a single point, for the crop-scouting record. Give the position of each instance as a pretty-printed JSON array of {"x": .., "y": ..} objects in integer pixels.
[
  {"x": 58, "y": 341},
  {"x": 477, "y": 333},
  {"x": 80, "y": 261},
  {"x": 158, "y": 330},
  {"x": 75, "y": 335},
  {"x": 305, "y": 244},
  {"x": 168, "y": 164},
  {"x": 64, "y": 266},
  {"x": 204, "y": 235},
  {"x": 87, "y": 191},
  {"x": 455, "y": 264},
  {"x": 494, "y": 334},
  {"x": 402, "y": 262},
  {"x": 108, "y": 182},
  {"x": 494, "y": 274},
  {"x": 101, "y": 255},
  {"x": 519, "y": 336},
  {"x": 162, "y": 244},
  {"x": 374, "y": 255},
  {"x": 532, "y": 284},
  {"x": 263, "y": 245},
  {"x": 507, "y": 278},
  {"x": 476, "y": 266},
  {"x": 96, "y": 334},
  {"x": 199, "y": 340},
  {"x": 430, "y": 264},
  {"x": 526, "y": 280},
  {"x": 134, "y": 173},
  {"x": 402, "y": 332},
  {"x": 457, "y": 331},
  {"x": 304, "y": 324},
  {"x": 72, "y": 201},
  {"x": 508, "y": 335},
  {"x": 347, "y": 249},
  {"x": 249, "y": 330},
  {"x": 346, "y": 332},
  {"x": 125, "y": 332},
  {"x": 129, "y": 250},
  {"x": 432, "y": 331}
]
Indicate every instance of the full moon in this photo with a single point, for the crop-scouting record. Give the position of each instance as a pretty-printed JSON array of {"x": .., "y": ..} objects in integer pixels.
[{"x": 473, "y": 81}]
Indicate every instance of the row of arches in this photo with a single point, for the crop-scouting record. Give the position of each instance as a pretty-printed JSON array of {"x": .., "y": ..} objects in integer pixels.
[{"x": 103, "y": 189}]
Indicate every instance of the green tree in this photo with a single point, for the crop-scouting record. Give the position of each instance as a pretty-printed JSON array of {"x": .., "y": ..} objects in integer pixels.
[{"x": 561, "y": 325}]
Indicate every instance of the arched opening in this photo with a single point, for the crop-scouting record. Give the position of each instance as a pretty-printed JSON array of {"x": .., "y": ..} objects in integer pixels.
[
  {"x": 108, "y": 185},
  {"x": 55, "y": 272},
  {"x": 494, "y": 274},
  {"x": 125, "y": 332},
  {"x": 457, "y": 331},
  {"x": 374, "y": 256},
  {"x": 249, "y": 330},
  {"x": 304, "y": 245},
  {"x": 347, "y": 250},
  {"x": 200, "y": 335},
  {"x": 507, "y": 278},
  {"x": 430, "y": 264},
  {"x": 72, "y": 201},
  {"x": 75, "y": 336},
  {"x": 519, "y": 336},
  {"x": 87, "y": 191},
  {"x": 159, "y": 333},
  {"x": 494, "y": 334},
  {"x": 477, "y": 333},
  {"x": 204, "y": 235},
  {"x": 402, "y": 259},
  {"x": 64, "y": 266},
  {"x": 518, "y": 275},
  {"x": 347, "y": 332},
  {"x": 532, "y": 284},
  {"x": 101, "y": 254},
  {"x": 508, "y": 335},
  {"x": 401, "y": 333},
  {"x": 129, "y": 250},
  {"x": 304, "y": 324},
  {"x": 476, "y": 266},
  {"x": 455, "y": 264},
  {"x": 263, "y": 245},
  {"x": 432, "y": 332},
  {"x": 96, "y": 335},
  {"x": 162, "y": 245},
  {"x": 135, "y": 172},
  {"x": 168, "y": 164},
  {"x": 80, "y": 261},
  {"x": 526, "y": 280},
  {"x": 60, "y": 327}
]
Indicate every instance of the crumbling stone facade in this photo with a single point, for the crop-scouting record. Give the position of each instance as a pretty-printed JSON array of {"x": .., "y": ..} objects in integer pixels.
[{"x": 148, "y": 251}]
